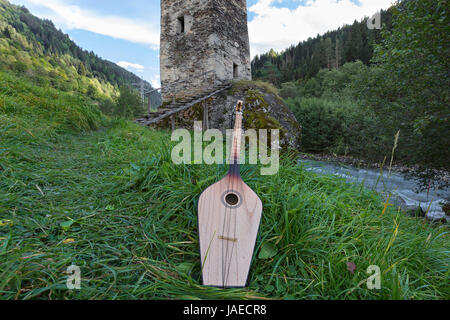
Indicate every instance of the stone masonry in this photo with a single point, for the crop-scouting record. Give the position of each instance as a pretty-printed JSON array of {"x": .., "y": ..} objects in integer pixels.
[{"x": 204, "y": 43}]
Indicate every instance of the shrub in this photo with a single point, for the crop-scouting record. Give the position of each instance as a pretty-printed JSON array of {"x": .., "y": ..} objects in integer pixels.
[
  {"x": 338, "y": 126},
  {"x": 129, "y": 103}
]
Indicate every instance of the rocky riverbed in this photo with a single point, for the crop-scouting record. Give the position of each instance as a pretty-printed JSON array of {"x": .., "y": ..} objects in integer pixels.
[{"x": 394, "y": 185}]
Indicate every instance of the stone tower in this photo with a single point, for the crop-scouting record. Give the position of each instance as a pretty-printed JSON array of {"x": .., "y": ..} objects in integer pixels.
[{"x": 202, "y": 36}]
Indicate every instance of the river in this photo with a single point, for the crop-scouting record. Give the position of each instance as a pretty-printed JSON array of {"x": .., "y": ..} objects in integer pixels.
[{"x": 401, "y": 189}]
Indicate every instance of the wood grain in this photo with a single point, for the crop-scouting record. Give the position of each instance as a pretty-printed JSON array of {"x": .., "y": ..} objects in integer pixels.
[{"x": 228, "y": 233}]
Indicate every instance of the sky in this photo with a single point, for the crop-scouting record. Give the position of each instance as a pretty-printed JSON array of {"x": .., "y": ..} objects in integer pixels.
[{"x": 127, "y": 32}]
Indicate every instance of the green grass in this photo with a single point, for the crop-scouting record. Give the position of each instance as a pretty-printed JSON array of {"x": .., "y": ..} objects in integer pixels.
[
  {"x": 255, "y": 84},
  {"x": 110, "y": 201}
]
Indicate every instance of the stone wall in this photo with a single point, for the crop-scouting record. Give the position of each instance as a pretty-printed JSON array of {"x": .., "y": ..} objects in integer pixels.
[
  {"x": 231, "y": 41},
  {"x": 202, "y": 36}
]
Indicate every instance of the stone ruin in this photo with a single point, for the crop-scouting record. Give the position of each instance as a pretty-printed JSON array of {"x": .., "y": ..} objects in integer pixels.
[
  {"x": 204, "y": 43},
  {"x": 206, "y": 69}
]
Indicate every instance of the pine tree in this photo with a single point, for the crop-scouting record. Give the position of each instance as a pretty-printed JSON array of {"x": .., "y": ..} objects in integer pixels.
[
  {"x": 337, "y": 56},
  {"x": 328, "y": 51}
]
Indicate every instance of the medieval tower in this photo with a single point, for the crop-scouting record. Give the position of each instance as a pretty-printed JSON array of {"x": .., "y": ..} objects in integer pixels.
[{"x": 204, "y": 43}]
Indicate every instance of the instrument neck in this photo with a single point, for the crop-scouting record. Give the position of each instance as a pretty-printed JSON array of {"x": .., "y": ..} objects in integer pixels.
[{"x": 236, "y": 146}]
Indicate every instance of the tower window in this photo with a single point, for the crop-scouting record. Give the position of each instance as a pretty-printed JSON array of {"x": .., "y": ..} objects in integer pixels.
[
  {"x": 180, "y": 25},
  {"x": 235, "y": 71}
]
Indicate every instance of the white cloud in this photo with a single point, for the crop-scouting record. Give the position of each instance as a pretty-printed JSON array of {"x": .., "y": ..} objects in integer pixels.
[
  {"x": 156, "y": 81},
  {"x": 73, "y": 17},
  {"x": 272, "y": 27},
  {"x": 278, "y": 28},
  {"x": 129, "y": 65}
]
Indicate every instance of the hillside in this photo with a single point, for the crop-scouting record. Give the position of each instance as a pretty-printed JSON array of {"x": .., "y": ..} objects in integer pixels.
[
  {"x": 34, "y": 48},
  {"x": 112, "y": 202},
  {"x": 330, "y": 50}
]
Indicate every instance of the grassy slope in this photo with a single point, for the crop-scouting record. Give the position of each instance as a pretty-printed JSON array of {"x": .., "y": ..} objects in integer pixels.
[
  {"x": 111, "y": 201},
  {"x": 65, "y": 66}
]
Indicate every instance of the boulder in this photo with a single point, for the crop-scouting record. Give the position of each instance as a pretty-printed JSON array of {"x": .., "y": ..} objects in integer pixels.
[
  {"x": 419, "y": 210},
  {"x": 263, "y": 109}
]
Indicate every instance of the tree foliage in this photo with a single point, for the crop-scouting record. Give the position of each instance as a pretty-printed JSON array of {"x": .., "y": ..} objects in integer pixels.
[
  {"x": 331, "y": 50},
  {"x": 128, "y": 104},
  {"x": 413, "y": 80},
  {"x": 332, "y": 117},
  {"x": 399, "y": 81},
  {"x": 34, "y": 47}
]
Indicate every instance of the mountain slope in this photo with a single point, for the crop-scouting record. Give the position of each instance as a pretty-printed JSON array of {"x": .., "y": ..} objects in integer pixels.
[
  {"x": 35, "y": 48},
  {"x": 330, "y": 50}
]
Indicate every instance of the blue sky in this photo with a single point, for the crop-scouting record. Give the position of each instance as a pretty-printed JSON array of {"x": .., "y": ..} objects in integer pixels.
[{"x": 127, "y": 32}]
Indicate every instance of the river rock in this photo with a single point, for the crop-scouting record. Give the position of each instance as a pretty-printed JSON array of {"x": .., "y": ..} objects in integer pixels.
[
  {"x": 398, "y": 202},
  {"x": 434, "y": 214}
]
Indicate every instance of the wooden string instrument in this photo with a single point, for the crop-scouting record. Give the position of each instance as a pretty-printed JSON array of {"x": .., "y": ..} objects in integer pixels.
[{"x": 229, "y": 214}]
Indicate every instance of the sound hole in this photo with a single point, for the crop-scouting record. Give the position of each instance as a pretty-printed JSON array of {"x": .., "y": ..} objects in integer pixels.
[{"x": 232, "y": 199}]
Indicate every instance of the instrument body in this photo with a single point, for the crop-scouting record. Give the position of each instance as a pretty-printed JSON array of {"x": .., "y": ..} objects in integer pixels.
[{"x": 229, "y": 215}]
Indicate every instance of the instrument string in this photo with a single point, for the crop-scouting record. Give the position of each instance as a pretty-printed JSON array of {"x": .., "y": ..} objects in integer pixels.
[
  {"x": 229, "y": 225},
  {"x": 235, "y": 176},
  {"x": 224, "y": 255},
  {"x": 232, "y": 177},
  {"x": 230, "y": 181}
]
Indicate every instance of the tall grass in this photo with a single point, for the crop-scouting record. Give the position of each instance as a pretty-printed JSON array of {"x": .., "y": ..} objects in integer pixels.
[
  {"x": 112, "y": 202},
  {"x": 27, "y": 110}
]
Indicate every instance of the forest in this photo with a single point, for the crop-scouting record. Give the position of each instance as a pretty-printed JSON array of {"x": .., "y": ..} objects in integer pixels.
[
  {"x": 374, "y": 86},
  {"x": 330, "y": 50},
  {"x": 33, "y": 48}
]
